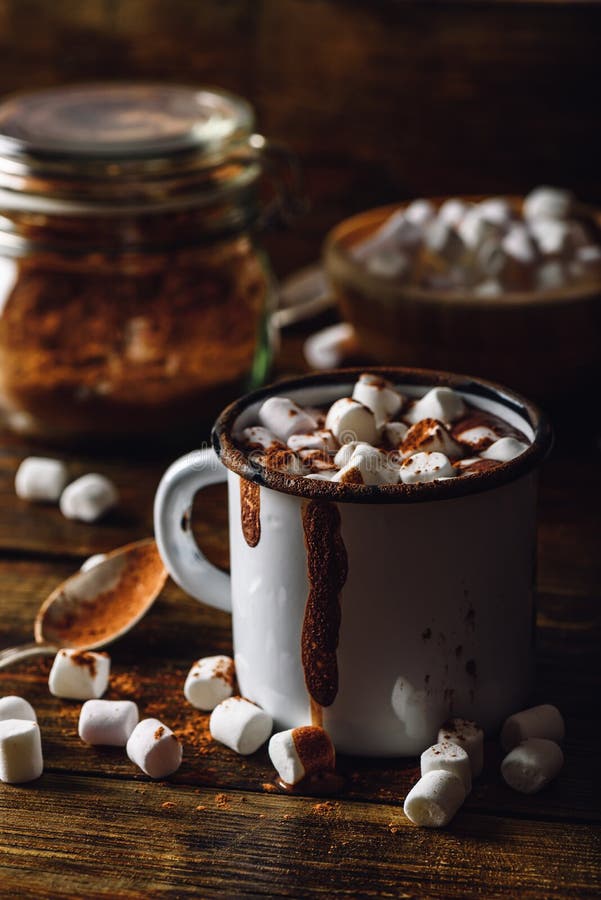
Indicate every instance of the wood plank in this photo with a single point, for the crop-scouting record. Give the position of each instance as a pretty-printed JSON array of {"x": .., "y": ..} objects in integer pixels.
[
  {"x": 136, "y": 839},
  {"x": 151, "y": 663}
]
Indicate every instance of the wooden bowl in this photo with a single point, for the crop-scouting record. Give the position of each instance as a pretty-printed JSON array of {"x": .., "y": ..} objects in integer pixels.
[{"x": 544, "y": 344}]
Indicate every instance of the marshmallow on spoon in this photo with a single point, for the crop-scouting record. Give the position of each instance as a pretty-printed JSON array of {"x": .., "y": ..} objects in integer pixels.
[
  {"x": 548, "y": 203},
  {"x": 154, "y": 748},
  {"x": 544, "y": 721},
  {"x": 210, "y": 681},
  {"x": 423, "y": 467},
  {"x": 107, "y": 723},
  {"x": 450, "y": 757},
  {"x": 41, "y": 479},
  {"x": 240, "y": 725},
  {"x": 284, "y": 417},
  {"x": 12, "y": 707},
  {"x": 300, "y": 752},
  {"x": 378, "y": 395},
  {"x": 469, "y": 736},
  {"x": 504, "y": 449},
  {"x": 435, "y": 799},
  {"x": 430, "y": 435},
  {"x": 20, "y": 751},
  {"x": 349, "y": 420},
  {"x": 441, "y": 403},
  {"x": 532, "y": 765},
  {"x": 88, "y": 498},
  {"x": 79, "y": 674},
  {"x": 92, "y": 561}
]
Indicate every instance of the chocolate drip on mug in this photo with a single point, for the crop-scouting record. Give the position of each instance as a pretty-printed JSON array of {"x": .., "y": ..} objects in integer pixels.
[
  {"x": 250, "y": 510},
  {"x": 327, "y": 570}
]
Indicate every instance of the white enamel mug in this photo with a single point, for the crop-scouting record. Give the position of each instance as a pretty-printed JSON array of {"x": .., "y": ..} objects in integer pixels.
[{"x": 435, "y": 613}]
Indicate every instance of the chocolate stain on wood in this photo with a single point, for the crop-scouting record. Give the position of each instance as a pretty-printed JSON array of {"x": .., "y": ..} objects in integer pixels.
[
  {"x": 327, "y": 565},
  {"x": 250, "y": 511}
]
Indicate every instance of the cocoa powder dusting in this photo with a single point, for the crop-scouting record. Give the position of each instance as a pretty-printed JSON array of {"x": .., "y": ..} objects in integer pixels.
[
  {"x": 159, "y": 733},
  {"x": 250, "y": 511},
  {"x": 327, "y": 566}
]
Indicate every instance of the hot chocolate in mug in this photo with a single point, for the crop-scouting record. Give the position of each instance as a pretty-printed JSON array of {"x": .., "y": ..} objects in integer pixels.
[{"x": 378, "y": 611}]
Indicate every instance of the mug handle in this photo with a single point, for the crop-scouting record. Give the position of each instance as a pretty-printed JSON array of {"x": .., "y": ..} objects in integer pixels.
[{"x": 180, "y": 553}]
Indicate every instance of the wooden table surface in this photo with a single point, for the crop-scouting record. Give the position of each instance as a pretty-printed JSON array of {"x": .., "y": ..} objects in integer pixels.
[{"x": 95, "y": 826}]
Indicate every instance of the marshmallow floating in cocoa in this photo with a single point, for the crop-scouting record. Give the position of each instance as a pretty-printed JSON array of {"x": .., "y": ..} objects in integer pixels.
[
  {"x": 379, "y": 395},
  {"x": 154, "y": 748},
  {"x": 531, "y": 765},
  {"x": 442, "y": 403},
  {"x": 431, "y": 436},
  {"x": 284, "y": 417},
  {"x": 240, "y": 725},
  {"x": 40, "y": 479},
  {"x": 261, "y": 438},
  {"x": 544, "y": 721},
  {"x": 209, "y": 682},
  {"x": 20, "y": 751},
  {"x": 435, "y": 799},
  {"x": 424, "y": 467},
  {"x": 108, "y": 723},
  {"x": 349, "y": 420},
  {"x": 504, "y": 449},
  {"x": 79, "y": 674}
]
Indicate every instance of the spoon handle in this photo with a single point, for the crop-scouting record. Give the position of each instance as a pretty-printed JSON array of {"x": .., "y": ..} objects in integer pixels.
[{"x": 14, "y": 654}]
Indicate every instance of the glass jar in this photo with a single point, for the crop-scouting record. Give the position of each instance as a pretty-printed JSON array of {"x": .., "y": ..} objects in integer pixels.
[{"x": 133, "y": 297}]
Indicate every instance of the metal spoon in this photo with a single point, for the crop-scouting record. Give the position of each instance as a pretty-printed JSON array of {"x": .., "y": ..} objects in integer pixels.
[{"x": 93, "y": 608}]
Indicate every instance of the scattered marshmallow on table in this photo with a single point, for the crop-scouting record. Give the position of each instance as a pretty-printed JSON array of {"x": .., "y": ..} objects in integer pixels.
[
  {"x": 107, "y": 723},
  {"x": 41, "y": 479},
  {"x": 422, "y": 467},
  {"x": 441, "y": 403},
  {"x": 284, "y": 418},
  {"x": 209, "y": 682},
  {"x": 532, "y": 765},
  {"x": 450, "y": 757},
  {"x": 300, "y": 752},
  {"x": 468, "y": 735},
  {"x": 88, "y": 498},
  {"x": 327, "y": 348},
  {"x": 240, "y": 725},
  {"x": 20, "y": 751},
  {"x": 79, "y": 674},
  {"x": 548, "y": 203},
  {"x": 544, "y": 721},
  {"x": 504, "y": 449},
  {"x": 12, "y": 707},
  {"x": 349, "y": 420},
  {"x": 154, "y": 748},
  {"x": 435, "y": 799},
  {"x": 379, "y": 396},
  {"x": 92, "y": 561}
]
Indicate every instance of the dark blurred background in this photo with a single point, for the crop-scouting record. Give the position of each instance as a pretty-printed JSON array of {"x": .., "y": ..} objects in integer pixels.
[{"x": 382, "y": 100}]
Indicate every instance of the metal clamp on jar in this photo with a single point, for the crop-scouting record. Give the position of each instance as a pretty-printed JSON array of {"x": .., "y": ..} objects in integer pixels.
[{"x": 134, "y": 299}]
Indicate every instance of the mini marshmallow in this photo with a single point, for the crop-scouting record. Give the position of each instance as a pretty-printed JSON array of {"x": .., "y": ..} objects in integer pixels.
[
  {"x": 532, "y": 765},
  {"x": 422, "y": 467},
  {"x": 209, "y": 682},
  {"x": 490, "y": 257},
  {"x": 240, "y": 725},
  {"x": 300, "y": 752},
  {"x": 92, "y": 561},
  {"x": 41, "y": 479},
  {"x": 368, "y": 465},
  {"x": 452, "y": 211},
  {"x": 20, "y": 751},
  {"x": 284, "y": 460},
  {"x": 154, "y": 748},
  {"x": 12, "y": 707},
  {"x": 548, "y": 203},
  {"x": 318, "y": 440},
  {"x": 328, "y": 347},
  {"x": 395, "y": 433},
  {"x": 543, "y": 721},
  {"x": 450, "y": 757},
  {"x": 430, "y": 436},
  {"x": 343, "y": 456},
  {"x": 478, "y": 438},
  {"x": 79, "y": 674},
  {"x": 88, "y": 498},
  {"x": 321, "y": 460},
  {"x": 467, "y": 735},
  {"x": 495, "y": 210},
  {"x": 551, "y": 275},
  {"x": 505, "y": 449},
  {"x": 420, "y": 212},
  {"x": 349, "y": 420},
  {"x": 107, "y": 723},
  {"x": 390, "y": 264},
  {"x": 284, "y": 417},
  {"x": 475, "y": 228},
  {"x": 552, "y": 236},
  {"x": 396, "y": 233},
  {"x": 519, "y": 246},
  {"x": 441, "y": 403},
  {"x": 259, "y": 438},
  {"x": 488, "y": 288},
  {"x": 444, "y": 241},
  {"x": 587, "y": 262},
  {"x": 378, "y": 395},
  {"x": 435, "y": 799}
]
